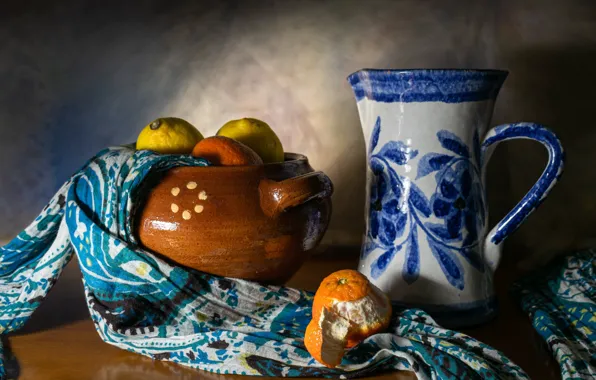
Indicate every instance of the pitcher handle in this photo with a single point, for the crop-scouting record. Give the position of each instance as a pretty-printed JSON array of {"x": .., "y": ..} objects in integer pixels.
[
  {"x": 277, "y": 197},
  {"x": 537, "y": 193}
]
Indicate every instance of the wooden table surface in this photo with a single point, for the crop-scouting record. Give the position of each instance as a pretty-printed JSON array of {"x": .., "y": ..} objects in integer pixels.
[{"x": 60, "y": 342}]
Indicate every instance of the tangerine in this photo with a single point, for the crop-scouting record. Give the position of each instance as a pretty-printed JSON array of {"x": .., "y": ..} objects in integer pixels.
[
  {"x": 225, "y": 151},
  {"x": 347, "y": 309}
]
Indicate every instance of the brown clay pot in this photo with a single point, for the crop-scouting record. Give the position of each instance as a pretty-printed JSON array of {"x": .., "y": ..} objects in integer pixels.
[{"x": 257, "y": 222}]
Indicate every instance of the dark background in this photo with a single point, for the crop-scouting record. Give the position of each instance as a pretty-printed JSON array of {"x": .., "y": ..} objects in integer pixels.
[{"x": 77, "y": 76}]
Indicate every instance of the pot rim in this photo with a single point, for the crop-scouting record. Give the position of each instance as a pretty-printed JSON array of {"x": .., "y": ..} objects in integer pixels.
[{"x": 290, "y": 159}]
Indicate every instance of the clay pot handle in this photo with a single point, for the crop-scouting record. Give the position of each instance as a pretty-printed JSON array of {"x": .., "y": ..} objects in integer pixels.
[{"x": 277, "y": 197}]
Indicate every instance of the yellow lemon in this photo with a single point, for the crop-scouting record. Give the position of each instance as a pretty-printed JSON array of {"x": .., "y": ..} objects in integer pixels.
[
  {"x": 169, "y": 135},
  {"x": 257, "y": 135}
]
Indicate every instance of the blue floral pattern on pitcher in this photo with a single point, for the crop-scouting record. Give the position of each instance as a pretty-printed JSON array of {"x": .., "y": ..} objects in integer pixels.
[{"x": 450, "y": 219}]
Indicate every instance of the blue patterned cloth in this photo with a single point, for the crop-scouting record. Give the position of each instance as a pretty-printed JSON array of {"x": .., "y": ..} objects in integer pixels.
[
  {"x": 561, "y": 302},
  {"x": 140, "y": 303}
]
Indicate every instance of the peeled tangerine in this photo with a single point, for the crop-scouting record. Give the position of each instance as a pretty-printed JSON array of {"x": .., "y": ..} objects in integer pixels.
[{"x": 346, "y": 310}]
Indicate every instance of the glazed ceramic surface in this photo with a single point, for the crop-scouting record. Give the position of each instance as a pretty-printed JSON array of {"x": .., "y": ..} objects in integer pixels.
[
  {"x": 251, "y": 222},
  {"x": 427, "y": 242}
]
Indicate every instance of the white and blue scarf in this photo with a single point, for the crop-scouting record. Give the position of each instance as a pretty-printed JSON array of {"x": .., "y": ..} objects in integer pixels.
[{"x": 140, "y": 303}]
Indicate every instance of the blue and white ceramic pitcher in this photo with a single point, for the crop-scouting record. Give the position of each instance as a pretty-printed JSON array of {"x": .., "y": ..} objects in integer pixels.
[{"x": 427, "y": 133}]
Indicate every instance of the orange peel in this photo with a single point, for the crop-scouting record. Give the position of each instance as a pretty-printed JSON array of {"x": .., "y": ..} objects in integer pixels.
[{"x": 347, "y": 309}]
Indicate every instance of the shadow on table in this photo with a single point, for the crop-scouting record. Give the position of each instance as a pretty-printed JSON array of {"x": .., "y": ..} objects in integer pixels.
[{"x": 11, "y": 364}]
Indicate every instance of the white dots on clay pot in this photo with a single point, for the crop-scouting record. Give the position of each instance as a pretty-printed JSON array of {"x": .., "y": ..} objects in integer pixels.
[{"x": 187, "y": 214}]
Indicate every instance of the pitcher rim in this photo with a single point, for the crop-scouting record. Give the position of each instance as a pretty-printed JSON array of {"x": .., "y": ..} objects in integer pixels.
[
  {"x": 427, "y": 85},
  {"x": 499, "y": 72}
]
